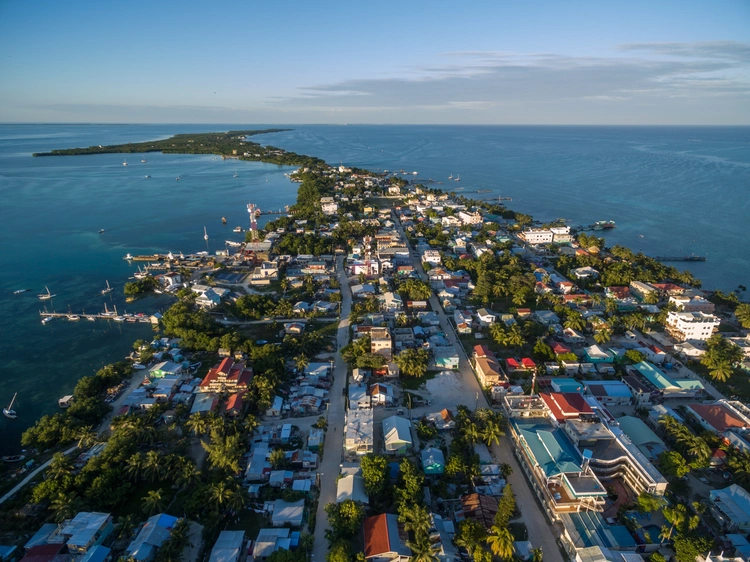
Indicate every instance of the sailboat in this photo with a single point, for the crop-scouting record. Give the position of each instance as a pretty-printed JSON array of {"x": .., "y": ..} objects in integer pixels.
[
  {"x": 107, "y": 290},
  {"x": 73, "y": 317},
  {"x": 205, "y": 234},
  {"x": 458, "y": 177},
  {"x": 143, "y": 160},
  {"x": 46, "y": 296},
  {"x": 235, "y": 174},
  {"x": 124, "y": 162},
  {"x": 9, "y": 412},
  {"x": 117, "y": 317},
  {"x": 450, "y": 177}
]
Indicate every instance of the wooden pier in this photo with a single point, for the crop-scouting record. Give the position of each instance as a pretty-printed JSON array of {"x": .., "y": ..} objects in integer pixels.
[
  {"x": 130, "y": 318},
  {"x": 680, "y": 258}
]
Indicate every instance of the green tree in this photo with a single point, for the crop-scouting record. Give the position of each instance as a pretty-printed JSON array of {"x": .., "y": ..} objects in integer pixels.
[
  {"x": 634, "y": 356},
  {"x": 152, "y": 466},
  {"x": 500, "y": 541},
  {"x": 59, "y": 467},
  {"x": 673, "y": 465},
  {"x": 648, "y": 503},
  {"x": 301, "y": 362},
  {"x": 277, "y": 458},
  {"x": 411, "y": 482},
  {"x": 742, "y": 313},
  {"x": 470, "y": 535},
  {"x": 506, "y": 507},
  {"x": 345, "y": 518},
  {"x": 412, "y": 362},
  {"x": 603, "y": 336},
  {"x": 689, "y": 546},
  {"x": 339, "y": 552},
  {"x": 153, "y": 502},
  {"x": 375, "y": 473}
]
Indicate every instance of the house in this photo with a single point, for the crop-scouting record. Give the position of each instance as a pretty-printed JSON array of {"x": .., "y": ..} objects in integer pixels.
[
  {"x": 163, "y": 369},
  {"x": 684, "y": 303},
  {"x": 228, "y": 547},
  {"x": 684, "y": 326},
  {"x": 315, "y": 439},
  {"x": 363, "y": 291},
  {"x": 585, "y": 273},
  {"x": 275, "y": 409},
  {"x": 227, "y": 376},
  {"x": 483, "y": 351},
  {"x": 358, "y": 397},
  {"x": 597, "y": 354},
  {"x": 153, "y": 534},
  {"x": 564, "y": 406},
  {"x": 665, "y": 385},
  {"x": 433, "y": 461},
  {"x": 489, "y": 372},
  {"x": 431, "y": 257},
  {"x": 469, "y": 218},
  {"x": 46, "y": 553},
  {"x": 269, "y": 541},
  {"x": 385, "y": 539},
  {"x": 258, "y": 467},
  {"x": 84, "y": 531},
  {"x": 359, "y": 432},
  {"x": 381, "y": 343},
  {"x": 397, "y": 435},
  {"x": 573, "y": 337},
  {"x": 642, "y": 290},
  {"x": 719, "y": 416},
  {"x": 546, "y": 317},
  {"x": 391, "y": 302},
  {"x": 642, "y": 437},
  {"x": 537, "y": 236},
  {"x": 445, "y": 357},
  {"x": 731, "y": 508},
  {"x": 211, "y": 298},
  {"x": 641, "y": 393},
  {"x": 288, "y": 513},
  {"x": 381, "y": 394},
  {"x": 480, "y": 508},
  {"x": 443, "y": 419},
  {"x": 329, "y": 206},
  {"x": 204, "y": 403},
  {"x": 234, "y": 405},
  {"x": 97, "y": 553},
  {"x": 485, "y": 317},
  {"x": 351, "y": 487},
  {"x": 609, "y": 392}
]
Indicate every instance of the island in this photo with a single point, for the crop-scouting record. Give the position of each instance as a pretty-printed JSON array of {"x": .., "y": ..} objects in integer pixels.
[{"x": 395, "y": 371}]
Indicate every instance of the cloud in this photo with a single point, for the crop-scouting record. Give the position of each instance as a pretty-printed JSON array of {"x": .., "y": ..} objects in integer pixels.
[{"x": 645, "y": 82}]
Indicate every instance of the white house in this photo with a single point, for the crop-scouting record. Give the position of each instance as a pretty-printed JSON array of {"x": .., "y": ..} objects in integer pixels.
[
  {"x": 691, "y": 325},
  {"x": 329, "y": 206},
  {"x": 359, "y": 431},
  {"x": 537, "y": 236},
  {"x": 432, "y": 257},
  {"x": 288, "y": 513},
  {"x": 470, "y": 218},
  {"x": 397, "y": 435},
  {"x": 485, "y": 317}
]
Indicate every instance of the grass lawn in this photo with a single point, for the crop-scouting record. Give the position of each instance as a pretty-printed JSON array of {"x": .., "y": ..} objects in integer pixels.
[
  {"x": 325, "y": 329},
  {"x": 413, "y": 383}
]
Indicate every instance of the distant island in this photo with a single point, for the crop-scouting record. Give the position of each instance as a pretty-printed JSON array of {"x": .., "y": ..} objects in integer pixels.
[{"x": 229, "y": 144}]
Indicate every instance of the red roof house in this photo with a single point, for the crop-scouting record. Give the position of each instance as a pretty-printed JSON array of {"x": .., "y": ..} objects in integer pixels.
[
  {"x": 227, "y": 376},
  {"x": 560, "y": 348},
  {"x": 566, "y": 405}
]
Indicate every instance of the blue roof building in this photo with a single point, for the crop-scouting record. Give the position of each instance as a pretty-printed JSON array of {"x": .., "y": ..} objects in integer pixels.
[{"x": 152, "y": 535}]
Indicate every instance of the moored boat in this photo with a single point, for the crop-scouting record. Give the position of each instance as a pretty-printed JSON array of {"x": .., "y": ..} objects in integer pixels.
[
  {"x": 46, "y": 296},
  {"x": 65, "y": 401},
  {"x": 9, "y": 412},
  {"x": 14, "y": 458},
  {"x": 19, "y": 291}
]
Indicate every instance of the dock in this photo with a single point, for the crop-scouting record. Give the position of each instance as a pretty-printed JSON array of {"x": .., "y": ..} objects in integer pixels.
[{"x": 131, "y": 318}]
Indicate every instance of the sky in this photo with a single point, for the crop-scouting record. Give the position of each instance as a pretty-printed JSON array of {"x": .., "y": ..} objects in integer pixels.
[{"x": 386, "y": 62}]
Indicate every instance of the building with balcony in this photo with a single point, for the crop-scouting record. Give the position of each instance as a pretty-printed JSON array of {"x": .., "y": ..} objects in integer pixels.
[
  {"x": 358, "y": 437},
  {"x": 684, "y": 326}
]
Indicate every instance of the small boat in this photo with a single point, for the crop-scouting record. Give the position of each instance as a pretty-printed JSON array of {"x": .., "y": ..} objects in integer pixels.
[
  {"x": 414, "y": 173},
  {"x": 177, "y": 178},
  {"x": 9, "y": 412},
  {"x": 458, "y": 178},
  {"x": 118, "y": 318},
  {"x": 232, "y": 243},
  {"x": 65, "y": 401},
  {"x": 107, "y": 290},
  {"x": 73, "y": 317},
  {"x": 46, "y": 296},
  {"x": 601, "y": 225},
  {"x": 450, "y": 177},
  {"x": 128, "y": 257},
  {"x": 237, "y": 229},
  {"x": 235, "y": 174},
  {"x": 223, "y": 220},
  {"x": 46, "y": 319},
  {"x": 148, "y": 176},
  {"x": 19, "y": 291},
  {"x": 205, "y": 234},
  {"x": 143, "y": 160},
  {"x": 14, "y": 458},
  {"x": 140, "y": 274},
  {"x": 124, "y": 162},
  {"x": 101, "y": 231}
]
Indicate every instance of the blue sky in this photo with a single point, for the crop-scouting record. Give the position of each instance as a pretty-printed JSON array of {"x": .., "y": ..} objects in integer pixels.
[{"x": 536, "y": 62}]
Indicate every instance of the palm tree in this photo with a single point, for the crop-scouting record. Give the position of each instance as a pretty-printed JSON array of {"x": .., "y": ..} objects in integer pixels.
[
  {"x": 721, "y": 372},
  {"x": 284, "y": 284},
  {"x": 66, "y": 506},
  {"x": 514, "y": 337},
  {"x": 603, "y": 335},
  {"x": 501, "y": 542},
  {"x": 697, "y": 448},
  {"x": 59, "y": 467},
  {"x": 238, "y": 498},
  {"x": 152, "y": 466},
  {"x": 86, "y": 436},
  {"x": 421, "y": 549},
  {"x": 492, "y": 432},
  {"x": 250, "y": 423},
  {"x": 125, "y": 527},
  {"x": 575, "y": 321},
  {"x": 189, "y": 474},
  {"x": 537, "y": 555},
  {"x": 742, "y": 313},
  {"x": 277, "y": 458},
  {"x": 221, "y": 492},
  {"x": 153, "y": 502},
  {"x": 301, "y": 361},
  {"x": 415, "y": 518},
  {"x": 134, "y": 466},
  {"x": 471, "y": 432}
]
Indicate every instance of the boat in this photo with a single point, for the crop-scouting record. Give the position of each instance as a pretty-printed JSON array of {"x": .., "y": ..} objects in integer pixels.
[
  {"x": 19, "y": 291},
  {"x": 101, "y": 231},
  {"x": 46, "y": 296},
  {"x": 237, "y": 229},
  {"x": 450, "y": 177},
  {"x": 107, "y": 290},
  {"x": 124, "y": 162},
  {"x": 232, "y": 243},
  {"x": 235, "y": 174},
  {"x": 223, "y": 220},
  {"x": 601, "y": 225},
  {"x": 458, "y": 178},
  {"x": 118, "y": 318},
  {"x": 46, "y": 319},
  {"x": 128, "y": 257},
  {"x": 65, "y": 401},
  {"x": 148, "y": 176},
  {"x": 177, "y": 178},
  {"x": 73, "y": 317},
  {"x": 414, "y": 173},
  {"x": 14, "y": 458},
  {"x": 9, "y": 412},
  {"x": 143, "y": 160},
  {"x": 140, "y": 274},
  {"x": 205, "y": 234}
]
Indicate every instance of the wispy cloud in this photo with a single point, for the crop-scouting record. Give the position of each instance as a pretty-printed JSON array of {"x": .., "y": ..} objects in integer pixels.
[{"x": 505, "y": 86}]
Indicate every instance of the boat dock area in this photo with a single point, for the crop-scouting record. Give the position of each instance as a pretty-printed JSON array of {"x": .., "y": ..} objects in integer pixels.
[{"x": 100, "y": 316}]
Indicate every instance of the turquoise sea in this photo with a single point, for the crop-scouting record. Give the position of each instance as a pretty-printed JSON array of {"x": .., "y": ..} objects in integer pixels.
[{"x": 671, "y": 190}]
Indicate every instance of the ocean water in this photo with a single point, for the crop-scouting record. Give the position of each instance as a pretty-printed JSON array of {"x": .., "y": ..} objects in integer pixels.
[{"x": 672, "y": 191}]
